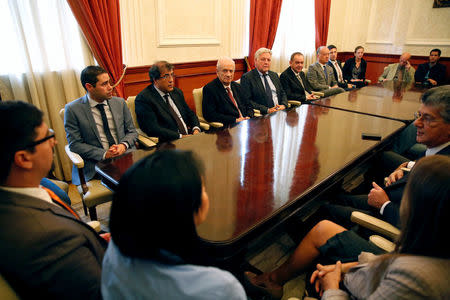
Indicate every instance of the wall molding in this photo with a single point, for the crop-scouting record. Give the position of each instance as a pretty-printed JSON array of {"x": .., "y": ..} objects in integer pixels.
[{"x": 428, "y": 42}]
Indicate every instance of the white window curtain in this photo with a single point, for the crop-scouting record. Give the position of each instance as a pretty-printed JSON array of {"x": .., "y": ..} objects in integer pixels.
[
  {"x": 295, "y": 33},
  {"x": 42, "y": 55}
]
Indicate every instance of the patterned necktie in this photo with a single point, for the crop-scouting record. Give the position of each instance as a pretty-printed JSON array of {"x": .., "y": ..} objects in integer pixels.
[
  {"x": 181, "y": 128},
  {"x": 338, "y": 70},
  {"x": 61, "y": 203},
  {"x": 301, "y": 83},
  {"x": 326, "y": 73},
  {"x": 230, "y": 95},
  {"x": 268, "y": 91},
  {"x": 108, "y": 134}
]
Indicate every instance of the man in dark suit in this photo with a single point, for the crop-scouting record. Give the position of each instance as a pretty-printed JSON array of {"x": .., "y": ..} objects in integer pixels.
[
  {"x": 47, "y": 251},
  {"x": 161, "y": 110},
  {"x": 336, "y": 65},
  {"x": 261, "y": 87},
  {"x": 294, "y": 81},
  {"x": 97, "y": 125},
  {"x": 222, "y": 97},
  {"x": 433, "y": 130},
  {"x": 431, "y": 73}
]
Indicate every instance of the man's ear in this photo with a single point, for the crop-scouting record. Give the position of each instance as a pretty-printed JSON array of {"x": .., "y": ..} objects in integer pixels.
[
  {"x": 88, "y": 86},
  {"x": 22, "y": 159}
]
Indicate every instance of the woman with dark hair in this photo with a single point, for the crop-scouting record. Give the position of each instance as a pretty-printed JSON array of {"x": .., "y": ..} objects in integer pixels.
[
  {"x": 354, "y": 70},
  {"x": 419, "y": 268},
  {"x": 155, "y": 252}
]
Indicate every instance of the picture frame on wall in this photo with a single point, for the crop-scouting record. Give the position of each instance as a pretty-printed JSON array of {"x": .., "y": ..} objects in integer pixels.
[{"x": 441, "y": 3}]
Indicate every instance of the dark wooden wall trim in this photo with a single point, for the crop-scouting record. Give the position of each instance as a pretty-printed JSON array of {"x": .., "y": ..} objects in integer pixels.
[
  {"x": 189, "y": 76},
  {"x": 377, "y": 61}
]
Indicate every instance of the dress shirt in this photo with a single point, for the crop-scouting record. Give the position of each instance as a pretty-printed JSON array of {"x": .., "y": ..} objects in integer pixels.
[
  {"x": 271, "y": 85},
  {"x": 228, "y": 88},
  {"x": 428, "y": 152},
  {"x": 99, "y": 123},
  {"x": 172, "y": 104},
  {"x": 35, "y": 192},
  {"x": 338, "y": 70}
]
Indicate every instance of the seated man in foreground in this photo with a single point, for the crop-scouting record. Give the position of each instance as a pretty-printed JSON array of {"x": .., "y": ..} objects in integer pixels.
[
  {"x": 97, "y": 125},
  {"x": 320, "y": 74},
  {"x": 401, "y": 71},
  {"x": 47, "y": 251},
  {"x": 261, "y": 87},
  {"x": 431, "y": 73},
  {"x": 161, "y": 110},
  {"x": 222, "y": 98},
  {"x": 294, "y": 81},
  {"x": 433, "y": 130}
]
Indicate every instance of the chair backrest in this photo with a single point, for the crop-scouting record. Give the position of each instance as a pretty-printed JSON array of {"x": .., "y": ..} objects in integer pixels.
[
  {"x": 198, "y": 99},
  {"x": 61, "y": 114},
  {"x": 130, "y": 104},
  {"x": 6, "y": 291}
]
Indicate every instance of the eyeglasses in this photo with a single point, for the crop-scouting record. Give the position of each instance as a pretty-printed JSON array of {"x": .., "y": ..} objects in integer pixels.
[
  {"x": 50, "y": 135},
  {"x": 426, "y": 119},
  {"x": 167, "y": 76}
]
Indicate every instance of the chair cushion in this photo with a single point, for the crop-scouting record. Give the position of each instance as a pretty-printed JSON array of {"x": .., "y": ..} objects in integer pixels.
[{"x": 97, "y": 193}]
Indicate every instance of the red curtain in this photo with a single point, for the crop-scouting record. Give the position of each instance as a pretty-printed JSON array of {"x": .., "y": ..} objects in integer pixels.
[
  {"x": 322, "y": 9},
  {"x": 264, "y": 16},
  {"x": 100, "y": 22}
]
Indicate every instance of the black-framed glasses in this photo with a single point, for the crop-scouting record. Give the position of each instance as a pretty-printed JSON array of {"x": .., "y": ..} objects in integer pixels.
[
  {"x": 167, "y": 76},
  {"x": 50, "y": 135},
  {"x": 426, "y": 119}
]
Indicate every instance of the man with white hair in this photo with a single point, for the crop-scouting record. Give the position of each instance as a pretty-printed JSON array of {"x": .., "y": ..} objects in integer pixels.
[
  {"x": 261, "y": 87},
  {"x": 222, "y": 98}
]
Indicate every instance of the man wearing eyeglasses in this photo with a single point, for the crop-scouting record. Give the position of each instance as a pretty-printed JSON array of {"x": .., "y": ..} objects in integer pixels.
[
  {"x": 433, "y": 130},
  {"x": 161, "y": 110},
  {"x": 46, "y": 250},
  {"x": 97, "y": 125}
]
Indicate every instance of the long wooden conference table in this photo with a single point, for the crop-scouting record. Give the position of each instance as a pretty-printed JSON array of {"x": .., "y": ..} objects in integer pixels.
[{"x": 262, "y": 171}]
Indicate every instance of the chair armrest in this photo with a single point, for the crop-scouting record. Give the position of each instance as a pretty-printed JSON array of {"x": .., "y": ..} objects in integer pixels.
[
  {"x": 145, "y": 141},
  {"x": 204, "y": 126},
  {"x": 151, "y": 138},
  {"x": 368, "y": 81},
  {"x": 256, "y": 113},
  {"x": 75, "y": 158},
  {"x": 216, "y": 124},
  {"x": 294, "y": 102},
  {"x": 95, "y": 225},
  {"x": 375, "y": 224},
  {"x": 382, "y": 243},
  {"x": 320, "y": 94},
  {"x": 213, "y": 124}
]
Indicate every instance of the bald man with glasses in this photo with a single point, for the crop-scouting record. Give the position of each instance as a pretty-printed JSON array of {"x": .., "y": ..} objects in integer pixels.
[{"x": 161, "y": 110}]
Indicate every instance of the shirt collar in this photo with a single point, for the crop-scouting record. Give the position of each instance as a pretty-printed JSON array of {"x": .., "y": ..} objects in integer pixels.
[
  {"x": 35, "y": 192},
  {"x": 161, "y": 92},
  {"x": 434, "y": 150},
  {"x": 93, "y": 103},
  {"x": 323, "y": 65},
  {"x": 261, "y": 74}
]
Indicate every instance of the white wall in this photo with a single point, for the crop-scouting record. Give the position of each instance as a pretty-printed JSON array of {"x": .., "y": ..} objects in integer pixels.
[
  {"x": 182, "y": 31},
  {"x": 391, "y": 27}
]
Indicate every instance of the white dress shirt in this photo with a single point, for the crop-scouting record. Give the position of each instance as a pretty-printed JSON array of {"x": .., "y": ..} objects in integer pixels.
[{"x": 271, "y": 85}]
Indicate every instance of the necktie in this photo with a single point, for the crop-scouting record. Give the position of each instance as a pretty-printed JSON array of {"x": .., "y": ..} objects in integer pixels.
[
  {"x": 338, "y": 70},
  {"x": 181, "y": 128},
  {"x": 230, "y": 95},
  {"x": 268, "y": 91},
  {"x": 108, "y": 134},
  {"x": 326, "y": 73},
  {"x": 61, "y": 203},
  {"x": 301, "y": 83}
]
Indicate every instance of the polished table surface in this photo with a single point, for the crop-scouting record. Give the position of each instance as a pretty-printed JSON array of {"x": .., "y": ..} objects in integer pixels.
[
  {"x": 391, "y": 99},
  {"x": 262, "y": 168}
]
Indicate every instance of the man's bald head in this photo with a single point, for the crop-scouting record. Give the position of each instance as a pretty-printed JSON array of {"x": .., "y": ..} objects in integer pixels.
[{"x": 404, "y": 58}]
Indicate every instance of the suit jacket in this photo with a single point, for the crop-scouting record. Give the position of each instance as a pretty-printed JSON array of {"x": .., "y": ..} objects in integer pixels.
[
  {"x": 437, "y": 72},
  {"x": 390, "y": 71},
  {"x": 395, "y": 192},
  {"x": 47, "y": 253},
  {"x": 348, "y": 69},
  {"x": 317, "y": 79},
  {"x": 83, "y": 137},
  {"x": 154, "y": 118},
  {"x": 218, "y": 107},
  {"x": 254, "y": 92},
  {"x": 291, "y": 85},
  {"x": 342, "y": 84}
]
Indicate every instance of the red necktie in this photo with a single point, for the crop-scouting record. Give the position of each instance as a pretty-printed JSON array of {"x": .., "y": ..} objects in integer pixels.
[
  {"x": 230, "y": 95},
  {"x": 58, "y": 201}
]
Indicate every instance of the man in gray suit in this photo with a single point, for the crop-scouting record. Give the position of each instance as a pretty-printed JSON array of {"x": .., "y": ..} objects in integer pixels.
[
  {"x": 320, "y": 74},
  {"x": 97, "y": 125},
  {"x": 47, "y": 251}
]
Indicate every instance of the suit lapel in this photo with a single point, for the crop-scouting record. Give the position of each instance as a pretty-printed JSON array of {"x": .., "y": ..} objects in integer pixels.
[
  {"x": 114, "y": 108},
  {"x": 90, "y": 118},
  {"x": 160, "y": 100},
  {"x": 257, "y": 78}
]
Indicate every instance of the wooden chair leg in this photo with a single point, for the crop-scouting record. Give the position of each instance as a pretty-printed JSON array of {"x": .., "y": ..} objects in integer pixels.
[
  {"x": 93, "y": 213},
  {"x": 84, "y": 208}
]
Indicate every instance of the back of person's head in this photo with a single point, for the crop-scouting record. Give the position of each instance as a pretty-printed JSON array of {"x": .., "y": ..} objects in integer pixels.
[
  {"x": 439, "y": 98},
  {"x": 154, "y": 205},
  {"x": 19, "y": 121},
  {"x": 89, "y": 75},
  {"x": 157, "y": 68},
  {"x": 425, "y": 209}
]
